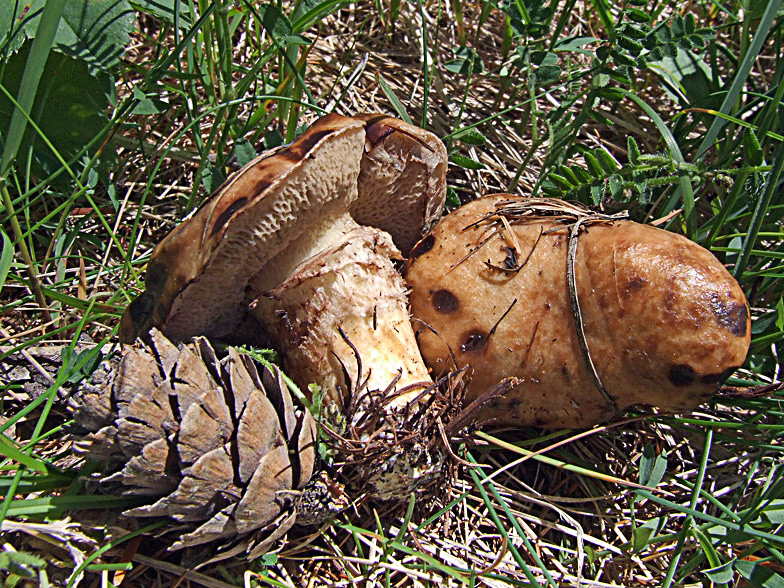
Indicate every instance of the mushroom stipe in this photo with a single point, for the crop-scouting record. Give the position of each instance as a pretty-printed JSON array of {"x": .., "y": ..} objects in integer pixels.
[{"x": 299, "y": 245}]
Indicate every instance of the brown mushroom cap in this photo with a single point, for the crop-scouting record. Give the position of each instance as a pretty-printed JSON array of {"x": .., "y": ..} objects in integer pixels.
[
  {"x": 197, "y": 277},
  {"x": 664, "y": 321}
]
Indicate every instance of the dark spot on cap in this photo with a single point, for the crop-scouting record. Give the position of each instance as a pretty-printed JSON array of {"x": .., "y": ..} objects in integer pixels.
[
  {"x": 445, "y": 302},
  {"x": 717, "y": 378},
  {"x": 681, "y": 375},
  {"x": 300, "y": 148},
  {"x": 377, "y": 131},
  {"x": 137, "y": 318},
  {"x": 226, "y": 215},
  {"x": 422, "y": 247},
  {"x": 635, "y": 284},
  {"x": 374, "y": 119},
  {"x": 515, "y": 403},
  {"x": 155, "y": 278},
  {"x": 261, "y": 185},
  {"x": 733, "y": 316},
  {"x": 565, "y": 371},
  {"x": 309, "y": 142},
  {"x": 474, "y": 342}
]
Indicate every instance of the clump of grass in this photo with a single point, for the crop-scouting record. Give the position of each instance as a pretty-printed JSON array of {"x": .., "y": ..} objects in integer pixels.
[{"x": 669, "y": 111}]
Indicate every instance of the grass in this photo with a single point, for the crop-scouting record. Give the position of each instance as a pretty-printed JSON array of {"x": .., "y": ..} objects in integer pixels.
[{"x": 550, "y": 99}]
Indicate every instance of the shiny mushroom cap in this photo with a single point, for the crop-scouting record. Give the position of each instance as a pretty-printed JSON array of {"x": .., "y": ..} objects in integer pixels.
[
  {"x": 664, "y": 322},
  {"x": 197, "y": 281}
]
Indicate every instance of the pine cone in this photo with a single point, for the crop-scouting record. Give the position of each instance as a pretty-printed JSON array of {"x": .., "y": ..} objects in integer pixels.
[{"x": 218, "y": 446}]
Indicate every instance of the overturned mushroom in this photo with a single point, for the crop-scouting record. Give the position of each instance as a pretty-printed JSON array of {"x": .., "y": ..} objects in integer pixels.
[
  {"x": 592, "y": 314},
  {"x": 283, "y": 228},
  {"x": 282, "y": 240}
]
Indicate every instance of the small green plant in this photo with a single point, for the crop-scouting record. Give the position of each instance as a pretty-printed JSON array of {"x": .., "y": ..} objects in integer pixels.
[{"x": 602, "y": 179}]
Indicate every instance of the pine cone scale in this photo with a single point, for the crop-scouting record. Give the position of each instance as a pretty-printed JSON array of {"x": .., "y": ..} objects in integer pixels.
[
  {"x": 258, "y": 433},
  {"x": 283, "y": 404},
  {"x": 303, "y": 454},
  {"x": 260, "y": 503},
  {"x": 205, "y": 426}
]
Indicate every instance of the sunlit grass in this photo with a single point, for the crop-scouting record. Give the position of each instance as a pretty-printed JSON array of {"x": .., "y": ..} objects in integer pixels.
[{"x": 520, "y": 93}]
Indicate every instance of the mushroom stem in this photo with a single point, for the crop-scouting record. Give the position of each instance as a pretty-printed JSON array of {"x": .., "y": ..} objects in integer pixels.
[
  {"x": 341, "y": 320},
  {"x": 320, "y": 237}
]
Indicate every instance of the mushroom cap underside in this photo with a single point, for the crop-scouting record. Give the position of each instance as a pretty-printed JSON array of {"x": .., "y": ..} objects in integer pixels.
[
  {"x": 402, "y": 179},
  {"x": 197, "y": 278}
]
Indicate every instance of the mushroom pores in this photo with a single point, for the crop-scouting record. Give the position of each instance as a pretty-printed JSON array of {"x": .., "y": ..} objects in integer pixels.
[
  {"x": 664, "y": 321},
  {"x": 201, "y": 277}
]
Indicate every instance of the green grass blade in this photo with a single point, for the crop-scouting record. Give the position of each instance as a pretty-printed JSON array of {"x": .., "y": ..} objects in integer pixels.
[
  {"x": 476, "y": 473},
  {"x": 30, "y": 483},
  {"x": 34, "y": 69},
  {"x": 6, "y": 258},
  {"x": 500, "y": 526},
  {"x": 728, "y": 207},
  {"x": 110, "y": 545},
  {"x": 11, "y": 451},
  {"x": 685, "y": 188},
  {"x": 425, "y": 66},
  {"x": 743, "y": 71},
  {"x": 687, "y": 525},
  {"x": 430, "y": 562},
  {"x": 729, "y": 525},
  {"x": 602, "y": 8},
  {"x": 760, "y": 210},
  {"x": 769, "y": 114},
  {"x": 396, "y": 103},
  {"x": 318, "y": 12},
  {"x": 538, "y": 456},
  {"x": 739, "y": 122}
]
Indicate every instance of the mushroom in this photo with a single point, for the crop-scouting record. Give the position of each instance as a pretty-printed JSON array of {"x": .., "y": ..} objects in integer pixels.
[
  {"x": 590, "y": 313},
  {"x": 344, "y": 310},
  {"x": 286, "y": 230}
]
